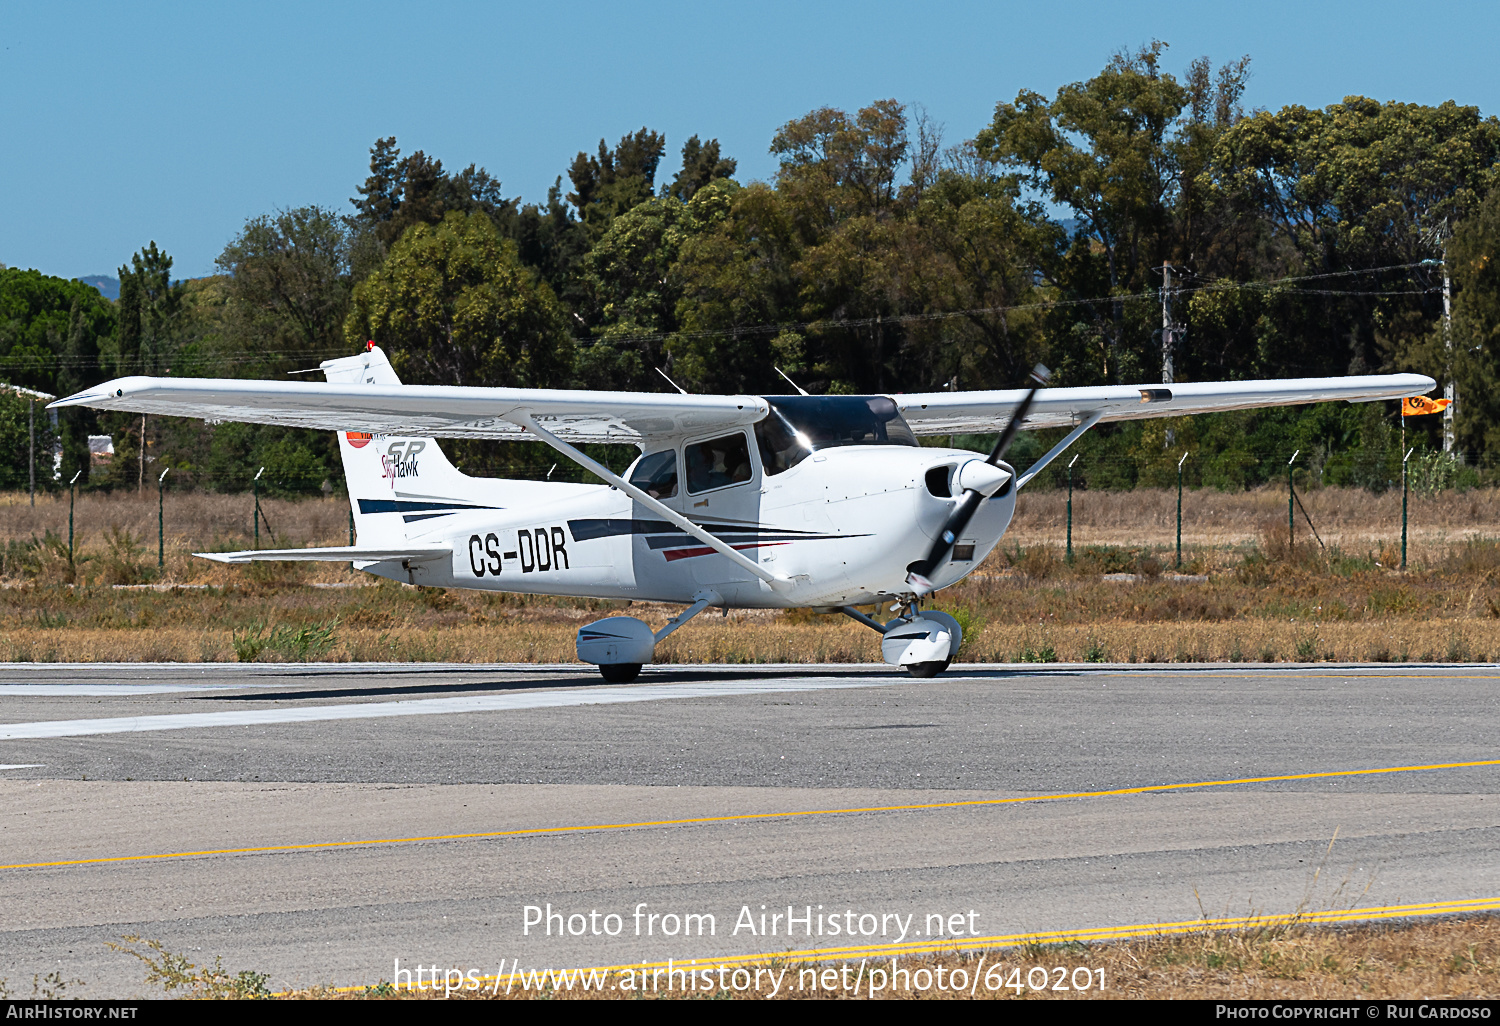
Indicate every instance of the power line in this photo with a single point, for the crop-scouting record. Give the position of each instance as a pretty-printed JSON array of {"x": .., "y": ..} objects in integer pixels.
[{"x": 1276, "y": 285}]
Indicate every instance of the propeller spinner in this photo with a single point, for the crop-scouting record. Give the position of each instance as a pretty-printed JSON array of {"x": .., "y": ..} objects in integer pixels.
[{"x": 979, "y": 481}]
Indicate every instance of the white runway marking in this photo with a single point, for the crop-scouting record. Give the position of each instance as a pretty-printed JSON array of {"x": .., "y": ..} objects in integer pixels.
[
  {"x": 431, "y": 706},
  {"x": 24, "y": 765},
  {"x": 102, "y": 690}
]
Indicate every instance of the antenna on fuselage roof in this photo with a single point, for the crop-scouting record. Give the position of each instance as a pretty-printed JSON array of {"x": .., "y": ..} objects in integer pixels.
[
  {"x": 671, "y": 382},
  {"x": 789, "y": 381}
]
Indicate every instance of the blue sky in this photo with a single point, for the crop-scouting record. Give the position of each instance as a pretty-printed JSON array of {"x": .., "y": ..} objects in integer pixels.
[{"x": 126, "y": 123}]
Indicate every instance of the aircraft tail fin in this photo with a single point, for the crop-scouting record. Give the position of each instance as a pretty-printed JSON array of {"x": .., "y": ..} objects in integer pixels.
[{"x": 393, "y": 481}]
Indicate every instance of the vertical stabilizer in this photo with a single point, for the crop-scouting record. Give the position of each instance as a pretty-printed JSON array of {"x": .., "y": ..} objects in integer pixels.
[{"x": 393, "y": 480}]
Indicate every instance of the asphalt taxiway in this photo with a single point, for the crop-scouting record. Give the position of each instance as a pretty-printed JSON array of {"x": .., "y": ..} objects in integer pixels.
[{"x": 319, "y": 822}]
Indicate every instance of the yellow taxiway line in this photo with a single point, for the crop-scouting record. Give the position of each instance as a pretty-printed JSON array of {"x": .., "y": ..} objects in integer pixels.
[
  {"x": 1098, "y": 933},
  {"x": 752, "y": 816},
  {"x": 1095, "y": 934}
]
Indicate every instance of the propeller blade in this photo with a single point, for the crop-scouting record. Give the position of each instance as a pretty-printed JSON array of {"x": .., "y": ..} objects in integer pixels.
[
  {"x": 920, "y": 575},
  {"x": 1040, "y": 375}
]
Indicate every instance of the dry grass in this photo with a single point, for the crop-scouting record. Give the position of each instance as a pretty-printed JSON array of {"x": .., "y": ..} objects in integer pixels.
[
  {"x": 746, "y": 638},
  {"x": 1260, "y": 601},
  {"x": 1350, "y": 518},
  {"x": 193, "y": 520},
  {"x": 1432, "y": 960}
]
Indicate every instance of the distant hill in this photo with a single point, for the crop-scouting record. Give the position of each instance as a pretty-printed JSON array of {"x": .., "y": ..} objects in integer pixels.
[{"x": 107, "y": 286}]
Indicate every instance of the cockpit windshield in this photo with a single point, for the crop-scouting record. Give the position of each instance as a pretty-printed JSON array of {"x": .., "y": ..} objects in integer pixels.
[{"x": 799, "y": 425}]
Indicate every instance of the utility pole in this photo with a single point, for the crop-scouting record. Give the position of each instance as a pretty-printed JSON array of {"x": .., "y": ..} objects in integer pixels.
[
  {"x": 1169, "y": 332},
  {"x": 1450, "y": 390},
  {"x": 1168, "y": 328},
  {"x": 31, "y": 446},
  {"x": 140, "y": 481},
  {"x": 31, "y": 396}
]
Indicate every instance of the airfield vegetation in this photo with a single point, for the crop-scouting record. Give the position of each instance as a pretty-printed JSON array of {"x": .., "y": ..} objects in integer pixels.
[
  {"x": 1243, "y": 593},
  {"x": 1449, "y": 958}
]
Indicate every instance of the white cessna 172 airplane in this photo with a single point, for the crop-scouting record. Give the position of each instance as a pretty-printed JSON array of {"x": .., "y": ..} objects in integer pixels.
[{"x": 737, "y": 501}]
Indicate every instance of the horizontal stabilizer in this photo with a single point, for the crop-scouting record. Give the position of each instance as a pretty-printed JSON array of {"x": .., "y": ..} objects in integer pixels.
[{"x": 335, "y": 554}]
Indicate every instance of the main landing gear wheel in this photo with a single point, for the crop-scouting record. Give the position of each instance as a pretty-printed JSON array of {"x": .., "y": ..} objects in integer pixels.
[
  {"x": 927, "y": 669},
  {"x": 622, "y": 673}
]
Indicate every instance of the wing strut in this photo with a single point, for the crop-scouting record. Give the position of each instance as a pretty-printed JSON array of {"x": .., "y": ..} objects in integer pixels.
[
  {"x": 1057, "y": 450},
  {"x": 655, "y": 505}
]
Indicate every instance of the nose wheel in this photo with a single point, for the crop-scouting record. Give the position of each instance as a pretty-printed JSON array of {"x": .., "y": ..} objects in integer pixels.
[
  {"x": 929, "y": 669},
  {"x": 620, "y": 673},
  {"x": 922, "y": 644}
]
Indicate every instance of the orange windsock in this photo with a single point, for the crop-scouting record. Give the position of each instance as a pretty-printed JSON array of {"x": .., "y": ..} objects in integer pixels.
[{"x": 1420, "y": 405}]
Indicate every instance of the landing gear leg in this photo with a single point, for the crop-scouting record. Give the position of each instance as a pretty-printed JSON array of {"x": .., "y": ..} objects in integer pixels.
[
  {"x": 624, "y": 637},
  {"x": 922, "y": 644}
]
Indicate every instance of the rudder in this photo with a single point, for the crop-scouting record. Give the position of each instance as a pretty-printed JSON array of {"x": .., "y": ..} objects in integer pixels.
[{"x": 393, "y": 480}]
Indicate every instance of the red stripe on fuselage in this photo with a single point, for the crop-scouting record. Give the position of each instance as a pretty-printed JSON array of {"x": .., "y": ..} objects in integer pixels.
[{"x": 673, "y": 554}]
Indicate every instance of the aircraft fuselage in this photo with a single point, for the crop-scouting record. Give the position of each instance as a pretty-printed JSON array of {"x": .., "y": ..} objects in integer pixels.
[{"x": 843, "y": 525}]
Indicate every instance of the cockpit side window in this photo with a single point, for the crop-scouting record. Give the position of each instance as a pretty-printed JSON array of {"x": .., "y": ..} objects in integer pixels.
[
  {"x": 656, "y": 474},
  {"x": 717, "y": 462},
  {"x": 780, "y": 448}
]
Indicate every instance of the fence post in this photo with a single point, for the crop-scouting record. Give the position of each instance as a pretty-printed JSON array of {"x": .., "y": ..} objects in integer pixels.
[
  {"x": 1291, "y": 538},
  {"x": 1179, "y": 509},
  {"x": 1070, "y": 506},
  {"x": 71, "y": 488},
  {"x": 31, "y": 447},
  {"x": 161, "y": 522},
  {"x": 1403, "y": 504},
  {"x": 255, "y": 486}
]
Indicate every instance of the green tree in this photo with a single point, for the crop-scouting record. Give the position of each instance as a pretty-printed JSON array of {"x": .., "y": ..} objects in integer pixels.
[
  {"x": 981, "y": 242},
  {"x": 51, "y": 334},
  {"x": 736, "y": 278},
  {"x": 286, "y": 287},
  {"x": 1474, "y": 262},
  {"x": 632, "y": 289},
  {"x": 404, "y": 191},
  {"x": 551, "y": 239},
  {"x": 15, "y": 442},
  {"x": 701, "y": 164},
  {"x": 454, "y": 305},
  {"x": 148, "y": 311},
  {"x": 1359, "y": 184},
  {"x": 1103, "y": 149},
  {"x": 613, "y": 181}
]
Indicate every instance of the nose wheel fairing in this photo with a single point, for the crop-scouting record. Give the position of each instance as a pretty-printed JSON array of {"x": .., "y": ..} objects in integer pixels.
[{"x": 922, "y": 645}]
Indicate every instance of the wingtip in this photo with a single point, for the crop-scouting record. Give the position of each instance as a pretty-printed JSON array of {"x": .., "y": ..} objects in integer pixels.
[{"x": 76, "y": 399}]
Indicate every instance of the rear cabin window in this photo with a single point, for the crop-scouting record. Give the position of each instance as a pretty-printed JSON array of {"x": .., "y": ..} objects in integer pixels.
[{"x": 717, "y": 462}]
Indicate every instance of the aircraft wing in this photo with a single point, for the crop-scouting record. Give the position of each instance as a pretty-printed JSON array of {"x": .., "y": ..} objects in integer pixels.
[
  {"x": 455, "y": 411},
  {"x": 946, "y": 413},
  {"x": 438, "y": 411}
]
